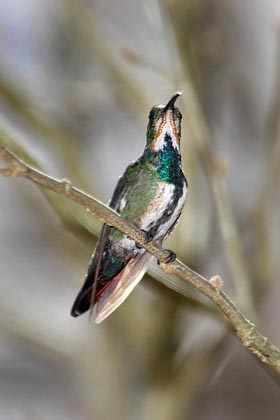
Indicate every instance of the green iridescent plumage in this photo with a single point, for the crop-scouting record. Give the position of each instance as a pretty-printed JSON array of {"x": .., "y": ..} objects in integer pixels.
[
  {"x": 166, "y": 162},
  {"x": 151, "y": 194}
]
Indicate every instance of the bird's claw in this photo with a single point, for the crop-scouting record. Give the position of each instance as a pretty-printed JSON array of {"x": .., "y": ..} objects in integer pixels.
[
  {"x": 148, "y": 237},
  {"x": 170, "y": 257}
]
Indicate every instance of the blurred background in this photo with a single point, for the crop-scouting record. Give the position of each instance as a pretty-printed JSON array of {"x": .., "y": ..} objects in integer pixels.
[{"x": 77, "y": 80}]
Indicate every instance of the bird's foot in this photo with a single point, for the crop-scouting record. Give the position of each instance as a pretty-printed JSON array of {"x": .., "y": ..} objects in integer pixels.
[
  {"x": 148, "y": 237},
  {"x": 170, "y": 257}
]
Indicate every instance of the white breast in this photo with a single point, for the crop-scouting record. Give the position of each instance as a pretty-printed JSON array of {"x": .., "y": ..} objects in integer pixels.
[
  {"x": 163, "y": 230},
  {"x": 158, "y": 206}
]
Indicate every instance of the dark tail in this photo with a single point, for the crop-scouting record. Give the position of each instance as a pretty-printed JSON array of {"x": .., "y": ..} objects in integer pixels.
[
  {"x": 87, "y": 295},
  {"x": 83, "y": 300}
]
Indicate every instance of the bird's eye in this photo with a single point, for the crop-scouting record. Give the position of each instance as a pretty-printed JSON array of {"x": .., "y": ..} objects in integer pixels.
[
  {"x": 155, "y": 114},
  {"x": 152, "y": 114}
]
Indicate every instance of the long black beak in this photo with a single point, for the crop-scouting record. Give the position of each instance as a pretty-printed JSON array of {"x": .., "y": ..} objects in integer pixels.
[{"x": 171, "y": 102}]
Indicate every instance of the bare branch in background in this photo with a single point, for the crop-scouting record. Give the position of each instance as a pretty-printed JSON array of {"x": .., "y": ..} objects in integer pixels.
[
  {"x": 267, "y": 195},
  {"x": 200, "y": 63},
  {"x": 246, "y": 331}
]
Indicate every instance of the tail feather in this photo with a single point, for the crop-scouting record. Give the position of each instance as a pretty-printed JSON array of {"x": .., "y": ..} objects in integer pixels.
[
  {"x": 113, "y": 293},
  {"x": 83, "y": 300}
]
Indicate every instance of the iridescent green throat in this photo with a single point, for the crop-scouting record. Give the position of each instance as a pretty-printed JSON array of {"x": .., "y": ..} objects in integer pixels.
[{"x": 167, "y": 161}]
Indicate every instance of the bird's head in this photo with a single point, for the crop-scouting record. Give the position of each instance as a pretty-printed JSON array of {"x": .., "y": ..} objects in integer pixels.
[{"x": 164, "y": 125}]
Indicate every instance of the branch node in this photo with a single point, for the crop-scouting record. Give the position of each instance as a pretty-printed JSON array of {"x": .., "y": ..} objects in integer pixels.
[
  {"x": 67, "y": 185},
  {"x": 16, "y": 170},
  {"x": 216, "y": 282},
  {"x": 167, "y": 268}
]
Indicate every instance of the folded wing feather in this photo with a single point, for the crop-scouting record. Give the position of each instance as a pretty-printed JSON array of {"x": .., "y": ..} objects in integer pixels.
[{"x": 122, "y": 285}]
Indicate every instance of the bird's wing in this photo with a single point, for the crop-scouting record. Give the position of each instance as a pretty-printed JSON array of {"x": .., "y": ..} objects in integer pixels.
[
  {"x": 125, "y": 187},
  {"x": 122, "y": 285}
]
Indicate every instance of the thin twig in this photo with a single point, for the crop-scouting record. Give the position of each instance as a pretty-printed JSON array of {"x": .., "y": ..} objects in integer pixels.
[
  {"x": 246, "y": 331},
  {"x": 83, "y": 225},
  {"x": 268, "y": 193}
]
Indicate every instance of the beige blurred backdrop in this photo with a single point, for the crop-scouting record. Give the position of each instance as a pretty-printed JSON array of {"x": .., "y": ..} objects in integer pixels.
[{"x": 77, "y": 80}]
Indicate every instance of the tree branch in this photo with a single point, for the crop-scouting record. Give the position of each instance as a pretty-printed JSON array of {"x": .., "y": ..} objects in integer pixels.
[
  {"x": 81, "y": 223},
  {"x": 246, "y": 331}
]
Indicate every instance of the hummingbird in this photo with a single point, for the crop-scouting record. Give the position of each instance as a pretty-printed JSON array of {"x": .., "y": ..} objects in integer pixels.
[{"x": 151, "y": 194}]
